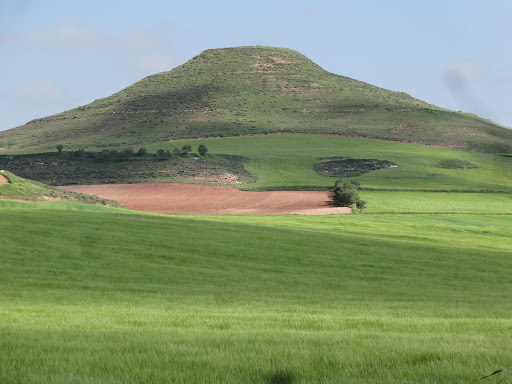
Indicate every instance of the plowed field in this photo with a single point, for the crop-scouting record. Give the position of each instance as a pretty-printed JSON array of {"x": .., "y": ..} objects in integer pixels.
[{"x": 208, "y": 199}]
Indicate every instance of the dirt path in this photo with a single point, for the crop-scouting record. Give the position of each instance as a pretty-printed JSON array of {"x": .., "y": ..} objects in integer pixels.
[
  {"x": 208, "y": 199},
  {"x": 3, "y": 180}
]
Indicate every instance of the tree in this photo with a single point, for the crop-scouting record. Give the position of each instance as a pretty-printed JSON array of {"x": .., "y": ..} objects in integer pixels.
[
  {"x": 185, "y": 150},
  {"x": 128, "y": 152},
  {"x": 345, "y": 194},
  {"x": 60, "y": 147},
  {"x": 142, "y": 151},
  {"x": 161, "y": 154},
  {"x": 202, "y": 149},
  {"x": 79, "y": 153}
]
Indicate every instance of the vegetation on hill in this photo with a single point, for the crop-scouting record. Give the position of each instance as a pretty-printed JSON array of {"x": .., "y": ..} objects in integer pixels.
[
  {"x": 111, "y": 166},
  {"x": 287, "y": 162},
  {"x": 346, "y": 166},
  {"x": 345, "y": 194},
  {"x": 250, "y": 90},
  {"x": 273, "y": 162},
  {"x": 22, "y": 189}
]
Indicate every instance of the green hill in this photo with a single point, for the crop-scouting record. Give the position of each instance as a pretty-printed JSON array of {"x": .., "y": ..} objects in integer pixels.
[
  {"x": 251, "y": 90},
  {"x": 18, "y": 188}
]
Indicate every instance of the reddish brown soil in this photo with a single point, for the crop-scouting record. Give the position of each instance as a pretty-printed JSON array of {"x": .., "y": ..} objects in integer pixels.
[
  {"x": 3, "y": 180},
  {"x": 208, "y": 199}
]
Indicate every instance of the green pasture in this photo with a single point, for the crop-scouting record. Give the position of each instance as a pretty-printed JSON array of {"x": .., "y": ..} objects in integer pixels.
[
  {"x": 437, "y": 202},
  {"x": 287, "y": 161},
  {"x": 116, "y": 297},
  {"x": 461, "y": 230}
]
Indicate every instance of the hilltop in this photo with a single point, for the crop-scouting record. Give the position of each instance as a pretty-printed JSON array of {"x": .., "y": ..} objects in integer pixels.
[{"x": 253, "y": 90}]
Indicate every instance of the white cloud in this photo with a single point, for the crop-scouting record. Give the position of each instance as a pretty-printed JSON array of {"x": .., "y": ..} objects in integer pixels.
[
  {"x": 41, "y": 92},
  {"x": 152, "y": 64},
  {"x": 41, "y": 98},
  {"x": 71, "y": 35},
  {"x": 460, "y": 78},
  {"x": 464, "y": 70}
]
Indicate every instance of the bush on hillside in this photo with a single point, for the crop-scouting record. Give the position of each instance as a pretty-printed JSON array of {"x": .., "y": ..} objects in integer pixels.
[
  {"x": 202, "y": 149},
  {"x": 345, "y": 195}
]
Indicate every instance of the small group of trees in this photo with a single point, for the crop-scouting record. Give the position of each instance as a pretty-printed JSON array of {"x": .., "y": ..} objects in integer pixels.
[
  {"x": 106, "y": 154},
  {"x": 345, "y": 195},
  {"x": 183, "y": 152},
  {"x": 112, "y": 154},
  {"x": 176, "y": 152}
]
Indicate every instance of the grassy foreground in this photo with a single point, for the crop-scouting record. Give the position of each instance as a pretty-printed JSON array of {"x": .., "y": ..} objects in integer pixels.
[{"x": 107, "y": 297}]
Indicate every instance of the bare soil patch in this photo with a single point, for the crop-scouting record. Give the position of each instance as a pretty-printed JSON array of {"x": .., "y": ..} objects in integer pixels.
[
  {"x": 280, "y": 60},
  {"x": 209, "y": 199},
  {"x": 3, "y": 180}
]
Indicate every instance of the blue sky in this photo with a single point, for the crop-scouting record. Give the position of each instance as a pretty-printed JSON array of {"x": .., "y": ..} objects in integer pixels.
[{"x": 57, "y": 55}]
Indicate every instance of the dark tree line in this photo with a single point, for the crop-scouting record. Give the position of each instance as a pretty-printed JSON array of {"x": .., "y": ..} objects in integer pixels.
[{"x": 126, "y": 154}]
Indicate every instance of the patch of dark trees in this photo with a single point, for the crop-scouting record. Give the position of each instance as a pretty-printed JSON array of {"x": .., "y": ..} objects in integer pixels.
[
  {"x": 348, "y": 167},
  {"x": 128, "y": 153}
]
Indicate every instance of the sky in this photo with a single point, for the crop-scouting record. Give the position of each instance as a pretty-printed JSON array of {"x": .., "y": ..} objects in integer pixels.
[{"x": 60, "y": 54}]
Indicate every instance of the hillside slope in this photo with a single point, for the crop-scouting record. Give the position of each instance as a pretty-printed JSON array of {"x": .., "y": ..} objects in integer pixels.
[
  {"x": 250, "y": 90},
  {"x": 13, "y": 187}
]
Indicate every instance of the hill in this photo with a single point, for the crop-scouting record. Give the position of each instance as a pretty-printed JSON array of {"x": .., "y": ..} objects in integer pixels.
[
  {"x": 13, "y": 187},
  {"x": 252, "y": 90}
]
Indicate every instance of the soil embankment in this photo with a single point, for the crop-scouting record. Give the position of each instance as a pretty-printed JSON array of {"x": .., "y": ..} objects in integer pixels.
[
  {"x": 3, "y": 180},
  {"x": 209, "y": 199}
]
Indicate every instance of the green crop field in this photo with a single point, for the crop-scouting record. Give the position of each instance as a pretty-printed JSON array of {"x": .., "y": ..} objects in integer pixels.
[
  {"x": 115, "y": 297},
  {"x": 287, "y": 161}
]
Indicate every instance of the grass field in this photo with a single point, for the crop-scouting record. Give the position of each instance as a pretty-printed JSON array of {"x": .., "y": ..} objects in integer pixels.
[
  {"x": 287, "y": 161},
  {"x": 415, "y": 290},
  {"x": 116, "y": 297},
  {"x": 281, "y": 162}
]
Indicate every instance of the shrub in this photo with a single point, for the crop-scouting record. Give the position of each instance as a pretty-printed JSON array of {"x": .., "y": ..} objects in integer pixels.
[
  {"x": 128, "y": 152},
  {"x": 161, "y": 154},
  {"x": 345, "y": 195},
  {"x": 185, "y": 150},
  {"x": 202, "y": 149}
]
